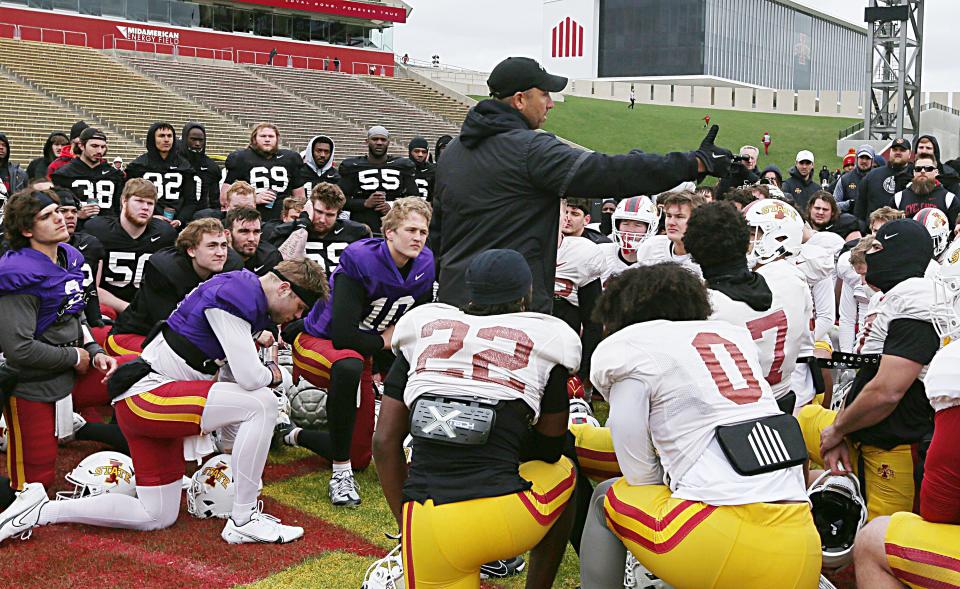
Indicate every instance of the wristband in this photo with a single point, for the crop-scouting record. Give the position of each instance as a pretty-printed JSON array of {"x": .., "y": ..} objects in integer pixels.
[{"x": 276, "y": 373}]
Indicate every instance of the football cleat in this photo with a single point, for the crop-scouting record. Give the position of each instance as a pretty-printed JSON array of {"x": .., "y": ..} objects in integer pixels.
[
  {"x": 386, "y": 573},
  {"x": 502, "y": 568},
  {"x": 22, "y": 515},
  {"x": 261, "y": 529},
  {"x": 343, "y": 489}
]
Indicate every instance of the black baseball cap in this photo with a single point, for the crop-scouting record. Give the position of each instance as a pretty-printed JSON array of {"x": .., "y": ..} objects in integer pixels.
[
  {"x": 900, "y": 143},
  {"x": 92, "y": 133},
  {"x": 519, "y": 74}
]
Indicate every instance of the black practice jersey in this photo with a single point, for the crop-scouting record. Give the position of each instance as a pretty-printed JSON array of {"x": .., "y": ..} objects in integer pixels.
[
  {"x": 93, "y": 253},
  {"x": 359, "y": 179},
  {"x": 102, "y": 183},
  {"x": 178, "y": 187},
  {"x": 324, "y": 249},
  {"x": 425, "y": 176},
  {"x": 264, "y": 259},
  {"x": 280, "y": 173},
  {"x": 124, "y": 256}
]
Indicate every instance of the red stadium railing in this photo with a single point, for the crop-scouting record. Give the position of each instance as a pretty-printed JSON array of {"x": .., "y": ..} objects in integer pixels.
[
  {"x": 28, "y": 33},
  {"x": 113, "y": 42}
]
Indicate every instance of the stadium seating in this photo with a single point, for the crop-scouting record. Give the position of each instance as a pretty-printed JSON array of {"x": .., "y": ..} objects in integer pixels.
[
  {"x": 234, "y": 91},
  {"x": 422, "y": 95},
  {"x": 29, "y": 117},
  {"x": 120, "y": 97},
  {"x": 356, "y": 99},
  {"x": 125, "y": 92}
]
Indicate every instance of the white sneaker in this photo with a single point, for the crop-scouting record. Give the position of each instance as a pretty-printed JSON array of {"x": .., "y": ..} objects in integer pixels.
[
  {"x": 21, "y": 516},
  {"x": 261, "y": 529},
  {"x": 343, "y": 489},
  {"x": 386, "y": 573}
]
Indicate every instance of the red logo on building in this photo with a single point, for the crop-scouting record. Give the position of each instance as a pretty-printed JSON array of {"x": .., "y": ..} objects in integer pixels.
[{"x": 567, "y": 39}]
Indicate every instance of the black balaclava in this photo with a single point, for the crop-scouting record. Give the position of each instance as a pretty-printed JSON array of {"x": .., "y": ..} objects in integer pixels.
[{"x": 907, "y": 251}]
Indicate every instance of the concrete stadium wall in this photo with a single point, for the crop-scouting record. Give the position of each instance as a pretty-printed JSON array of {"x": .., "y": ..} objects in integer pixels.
[{"x": 804, "y": 102}]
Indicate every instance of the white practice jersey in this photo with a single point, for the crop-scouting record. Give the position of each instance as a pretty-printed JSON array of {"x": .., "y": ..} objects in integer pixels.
[
  {"x": 854, "y": 299},
  {"x": 613, "y": 262},
  {"x": 670, "y": 384},
  {"x": 942, "y": 381},
  {"x": 659, "y": 248},
  {"x": 781, "y": 331},
  {"x": 497, "y": 357},
  {"x": 911, "y": 299},
  {"x": 579, "y": 262}
]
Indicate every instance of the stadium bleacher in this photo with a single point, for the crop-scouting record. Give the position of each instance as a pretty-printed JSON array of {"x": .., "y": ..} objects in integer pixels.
[{"x": 48, "y": 86}]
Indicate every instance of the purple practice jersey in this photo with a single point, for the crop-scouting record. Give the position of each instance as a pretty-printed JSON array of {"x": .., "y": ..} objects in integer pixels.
[
  {"x": 59, "y": 289},
  {"x": 238, "y": 293},
  {"x": 389, "y": 294}
]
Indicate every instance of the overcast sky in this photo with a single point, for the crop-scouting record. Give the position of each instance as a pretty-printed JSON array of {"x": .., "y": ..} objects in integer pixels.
[{"x": 490, "y": 30}]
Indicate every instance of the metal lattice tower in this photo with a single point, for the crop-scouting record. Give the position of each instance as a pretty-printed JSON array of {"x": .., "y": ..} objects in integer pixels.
[{"x": 895, "y": 36}]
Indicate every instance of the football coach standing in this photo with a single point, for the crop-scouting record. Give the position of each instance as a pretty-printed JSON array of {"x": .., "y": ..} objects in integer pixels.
[{"x": 500, "y": 181}]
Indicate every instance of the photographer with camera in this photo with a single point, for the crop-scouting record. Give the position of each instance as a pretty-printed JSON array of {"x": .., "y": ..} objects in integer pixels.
[{"x": 743, "y": 171}]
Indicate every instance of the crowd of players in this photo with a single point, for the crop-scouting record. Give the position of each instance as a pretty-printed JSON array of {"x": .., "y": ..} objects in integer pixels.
[{"x": 708, "y": 317}]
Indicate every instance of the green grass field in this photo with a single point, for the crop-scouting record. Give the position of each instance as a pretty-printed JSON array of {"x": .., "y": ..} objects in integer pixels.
[{"x": 607, "y": 126}]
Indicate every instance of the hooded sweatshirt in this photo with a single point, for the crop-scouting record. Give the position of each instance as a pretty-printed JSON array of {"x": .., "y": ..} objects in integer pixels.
[
  {"x": 178, "y": 191},
  {"x": 775, "y": 170},
  {"x": 800, "y": 188},
  {"x": 11, "y": 176},
  {"x": 207, "y": 170},
  {"x": 425, "y": 172},
  {"x": 948, "y": 176},
  {"x": 314, "y": 173},
  {"x": 499, "y": 185},
  {"x": 38, "y": 167}
]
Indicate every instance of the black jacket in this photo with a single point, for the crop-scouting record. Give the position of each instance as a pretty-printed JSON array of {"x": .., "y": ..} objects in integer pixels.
[
  {"x": 799, "y": 189},
  {"x": 877, "y": 189},
  {"x": 206, "y": 169},
  {"x": 38, "y": 167},
  {"x": 168, "y": 277},
  {"x": 176, "y": 182},
  {"x": 499, "y": 185},
  {"x": 948, "y": 176},
  {"x": 848, "y": 189}
]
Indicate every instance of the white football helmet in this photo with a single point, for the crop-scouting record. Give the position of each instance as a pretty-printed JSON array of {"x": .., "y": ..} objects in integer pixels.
[
  {"x": 937, "y": 225},
  {"x": 386, "y": 573},
  {"x": 946, "y": 295},
  {"x": 580, "y": 406},
  {"x": 839, "y": 512},
  {"x": 102, "y": 472},
  {"x": 777, "y": 229},
  {"x": 635, "y": 208},
  {"x": 212, "y": 489}
]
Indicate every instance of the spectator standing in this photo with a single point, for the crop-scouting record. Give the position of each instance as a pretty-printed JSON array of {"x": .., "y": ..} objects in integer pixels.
[
  {"x": 772, "y": 175},
  {"x": 741, "y": 172},
  {"x": 800, "y": 185},
  {"x": 706, "y": 121},
  {"x": 926, "y": 192},
  {"x": 51, "y": 149},
  {"x": 878, "y": 187},
  {"x": 766, "y": 142},
  {"x": 66, "y": 153},
  {"x": 947, "y": 176},
  {"x": 500, "y": 182},
  {"x": 633, "y": 98},
  {"x": 848, "y": 187}
]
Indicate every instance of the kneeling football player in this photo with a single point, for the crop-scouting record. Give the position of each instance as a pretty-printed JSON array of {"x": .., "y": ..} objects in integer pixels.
[
  {"x": 688, "y": 402},
  {"x": 482, "y": 390},
  {"x": 171, "y": 392}
]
